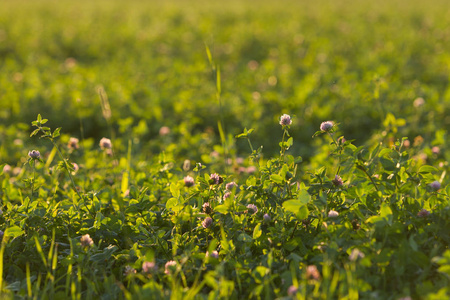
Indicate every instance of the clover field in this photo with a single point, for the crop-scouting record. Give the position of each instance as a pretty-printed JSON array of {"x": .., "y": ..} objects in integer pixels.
[{"x": 196, "y": 150}]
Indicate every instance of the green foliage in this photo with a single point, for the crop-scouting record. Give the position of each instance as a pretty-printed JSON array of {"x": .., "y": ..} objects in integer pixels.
[{"x": 186, "y": 211}]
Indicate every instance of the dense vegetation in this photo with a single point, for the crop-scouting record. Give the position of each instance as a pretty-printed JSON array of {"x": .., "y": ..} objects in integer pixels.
[{"x": 186, "y": 155}]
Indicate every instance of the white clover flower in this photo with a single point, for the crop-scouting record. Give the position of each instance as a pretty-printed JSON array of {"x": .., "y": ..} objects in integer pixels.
[
  {"x": 312, "y": 272},
  {"x": 86, "y": 241},
  {"x": 253, "y": 209},
  {"x": 292, "y": 290},
  {"x": 215, "y": 179},
  {"x": 435, "y": 185},
  {"x": 170, "y": 267},
  {"x": 285, "y": 120},
  {"x": 73, "y": 143},
  {"x": 207, "y": 222},
  {"x": 189, "y": 181},
  {"x": 207, "y": 208},
  {"x": 356, "y": 253},
  {"x": 333, "y": 214},
  {"x": 230, "y": 185},
  {"x": 149, "y": 267},
  {"x": 423, "y": 213},
  {"x": 226, "y": 195},
  {"x": 213, "y": 254},
  {"x": 34, "y": 154},
  {"x": 164, "y": 131},
  {"x": 105, "y": 143},
  {"x": 326, "y": 126},
  {"x": 337, "y": 181}
]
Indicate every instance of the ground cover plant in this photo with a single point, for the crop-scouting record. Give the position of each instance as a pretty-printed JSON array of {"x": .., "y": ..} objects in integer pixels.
[{"x": 156, "y": 151}]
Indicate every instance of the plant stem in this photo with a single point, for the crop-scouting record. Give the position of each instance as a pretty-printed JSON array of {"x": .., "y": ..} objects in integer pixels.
[
  {"x": 32, "y": 185},
  {"x": 370, "y": 177},
  {"x": 340, "y": 150},
  {"x": 283, "y": 148}
]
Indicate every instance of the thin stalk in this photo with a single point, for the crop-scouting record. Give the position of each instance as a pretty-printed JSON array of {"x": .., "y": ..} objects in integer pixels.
[
  {"x": 283, "y": 148},
  {"x": 340, "y": 151},
  {"x": 32, "y": 185},
  {"x": 370, "y": 177}
]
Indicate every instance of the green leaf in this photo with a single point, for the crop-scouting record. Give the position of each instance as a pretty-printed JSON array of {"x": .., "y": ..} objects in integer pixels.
[
  {"x": 289, "y": 142},
  {"x": 304, "y": 197},
  {"x": 174, "y": 190},
  {"x": 428, "y": 169},
  {"x": 223, "y": 209},
  {"x": 276, "y": 178},
  {"x": 303, "y": 213},
  {"x": 292, "y": 205},
  {"x": 296, "y": 207},
  {"x": 34, "y": 132},
  {"x": 257, "y": 231},
  {"x": 56, "y": 132},
  {"x": 386, "y": 213},
  {"x": 13, "y": 231},
  {"x": 173, "y": 204},
  {"x": 243, "y": 237},
  {"x": 105, "y": 255}
]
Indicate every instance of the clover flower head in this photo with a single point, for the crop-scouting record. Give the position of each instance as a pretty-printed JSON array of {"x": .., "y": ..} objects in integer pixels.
[
  {"x": 406, "y": 143},
  {"x": 207, "y": 222},
  {"x": 105, "y": 143},
  {"x": 207, "y": 208},
  {"x": 251, "y": 170},
  {"x": 333, "y": 214},
  {"x": 356, "y": 253},
  {"x": 215, "y": 179},
  {"x": 86, "y": 241},
  {"x": 213, "y": 254},
  {"x": 170, "y": 267},
  {"x": 337, "y": 181},
  {"x": 6, "y": 168},
  {"x": 253, "y": 209},
  {"x": 435, "y": 150},
  {"x": 312, "y": 272},
  {"x": 188, "y": 181},
  {"x": 186, "y": 165},
  {"x": 164, "y": 131},
  {"x": 435, "y": 185},
  {"x": 16, "y": 171},
  {"x": 418, "y": 102},
  {"x": 292, "y": 290},
  {"x": 423, "y": 213},
  {"x": 285, "y": 120},
  {"x": 128, "y": 271},
  {"x": 149, "y": 267},
  {"x": 34, "y": 154},
  {"x": 76, "y": 167},
  {"x": 342, "y": 140},
  {"x": 226, "y": 195},
  {"x": 267, "y": 218},
  {"x": 326, "y": 126},
  {"x": 230, "y": 185},
  {"x": 73, "y": 143}
]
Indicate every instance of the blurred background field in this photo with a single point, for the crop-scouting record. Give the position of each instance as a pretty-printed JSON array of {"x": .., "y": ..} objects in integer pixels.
[{"x": 374, "y": 67}]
